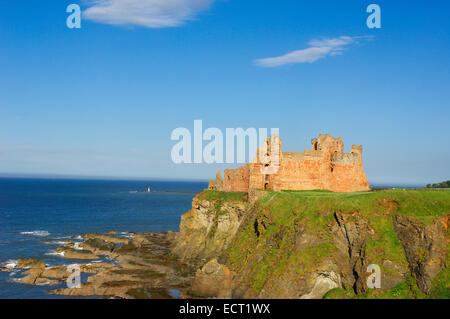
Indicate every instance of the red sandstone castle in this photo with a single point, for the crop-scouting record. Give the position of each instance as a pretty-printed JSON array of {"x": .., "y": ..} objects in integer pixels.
[{"x": 325, "y": 167}]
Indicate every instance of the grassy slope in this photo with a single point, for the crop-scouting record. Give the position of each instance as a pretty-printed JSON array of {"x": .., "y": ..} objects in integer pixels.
[{"x": 315, "y": 210}]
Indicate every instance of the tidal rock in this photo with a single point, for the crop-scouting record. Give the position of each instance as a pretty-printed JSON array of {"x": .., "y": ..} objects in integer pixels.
[
  {"x": 71, "y": 253},
  {"x": 30, "y": 263},
  {"x": 45, "y": 281},
  {"x": 59, "y": 272},
  {"x": 107, "y": 238},
  {"x": 35, "y": 269},
  {"x": 98, "y": 244}
]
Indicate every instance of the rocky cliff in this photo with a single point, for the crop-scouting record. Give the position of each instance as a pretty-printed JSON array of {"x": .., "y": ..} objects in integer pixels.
[
  {"x": 315, "y": 244},
  {"x": 209, "y": 227}
]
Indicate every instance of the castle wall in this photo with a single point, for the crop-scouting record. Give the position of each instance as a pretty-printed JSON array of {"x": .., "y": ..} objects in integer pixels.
[
  {"x": 257, "y": 180},
  {"x": 324, "y": 167},
  {"x": 236, "y": 180},
  {"x": 300, "y": 174},
  {"x": 348, "y": 175}
]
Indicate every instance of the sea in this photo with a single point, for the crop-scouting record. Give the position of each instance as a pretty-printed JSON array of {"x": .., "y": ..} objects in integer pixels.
[{"x": 38, "y": 215}]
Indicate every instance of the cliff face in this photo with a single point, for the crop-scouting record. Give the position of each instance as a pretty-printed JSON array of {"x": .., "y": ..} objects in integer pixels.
[
  {"x": 208, "y": 228},
  {"x": 317, "y": 244}
]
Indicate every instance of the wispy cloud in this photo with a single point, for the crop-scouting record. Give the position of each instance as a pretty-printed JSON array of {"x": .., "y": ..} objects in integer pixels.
[
  {"x": 146, "y": 13},
  {"x": 318, "y": 49}
]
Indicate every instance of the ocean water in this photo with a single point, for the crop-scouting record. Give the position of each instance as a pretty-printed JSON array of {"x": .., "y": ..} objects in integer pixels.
[{"x": 37, "y": 215}]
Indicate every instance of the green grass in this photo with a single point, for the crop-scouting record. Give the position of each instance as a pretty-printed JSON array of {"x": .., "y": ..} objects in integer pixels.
[
  {"x": 440, "y": 287},
  {"x": 212, "y": 195},
  {"x": 405, "y": 290},
  {"x": 219, "y": 197},
  {"x": 339, "y": 293}
]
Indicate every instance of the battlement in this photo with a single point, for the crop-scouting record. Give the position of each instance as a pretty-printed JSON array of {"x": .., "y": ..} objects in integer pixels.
[
  {"x": 357, "y": 149},
  {"x": 327, "y": 143}
]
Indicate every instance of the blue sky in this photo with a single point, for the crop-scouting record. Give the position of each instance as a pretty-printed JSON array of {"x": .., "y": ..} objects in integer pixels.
[{"x": 103, "y": 100}]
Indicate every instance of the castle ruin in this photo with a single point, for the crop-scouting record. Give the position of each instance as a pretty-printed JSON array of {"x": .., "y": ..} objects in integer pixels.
[{"x": 324, "y": 167}]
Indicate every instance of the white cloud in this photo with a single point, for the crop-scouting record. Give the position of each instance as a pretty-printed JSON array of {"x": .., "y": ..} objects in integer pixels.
[
  {"x": 146, "y": 13},
  {"x": 318, "y": 49}
]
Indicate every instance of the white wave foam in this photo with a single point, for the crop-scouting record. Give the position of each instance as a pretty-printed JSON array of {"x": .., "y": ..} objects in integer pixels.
[
  {"x": 47, "y": 283},
  {"x": 40, "y": 233},
  {"x": 54, "y": 253},
  {"x": 10, "y": 264},
  {"x": 58, "y": 242},
  {"x": 77, "y": 246},
  {"x": 126, "y": 234}
]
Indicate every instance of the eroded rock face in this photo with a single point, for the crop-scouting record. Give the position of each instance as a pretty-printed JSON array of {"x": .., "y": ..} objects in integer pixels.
[
  {"x": 324, "y": 282},
  {"x": 352, "y": 239},
  {"x": 206, "y": 231},
  {"x": 313, "y": 284},
  {"x": 425, "y": 247},
  {"x": 351, "y": 233},
  {"x": 213, "y": 280}
]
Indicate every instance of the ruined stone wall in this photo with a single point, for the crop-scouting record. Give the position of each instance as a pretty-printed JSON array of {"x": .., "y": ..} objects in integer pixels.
[
  {"x": 347, "y": 172},
  {"x": 257, "y": 180},
  {"x": 302, "y": 174},
  {"x": 348, "y": 178},
  {"x": 328, "y": 144},
  {"x": 324, "y": 167},
  {"x": 236, "y": 180}
]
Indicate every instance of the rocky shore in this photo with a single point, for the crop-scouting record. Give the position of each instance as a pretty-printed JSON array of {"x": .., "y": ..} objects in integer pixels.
[{"x": 140, "y": 267}]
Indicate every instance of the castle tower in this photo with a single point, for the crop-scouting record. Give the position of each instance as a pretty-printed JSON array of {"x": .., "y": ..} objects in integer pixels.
[{"x": 327, "y": 143}]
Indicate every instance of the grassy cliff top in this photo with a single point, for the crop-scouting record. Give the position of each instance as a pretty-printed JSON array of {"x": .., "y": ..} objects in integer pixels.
[
  {"x": 282, "y": 213},
  {"x": 212, "y": 195},
  {"x": 423, "y": 205}
]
